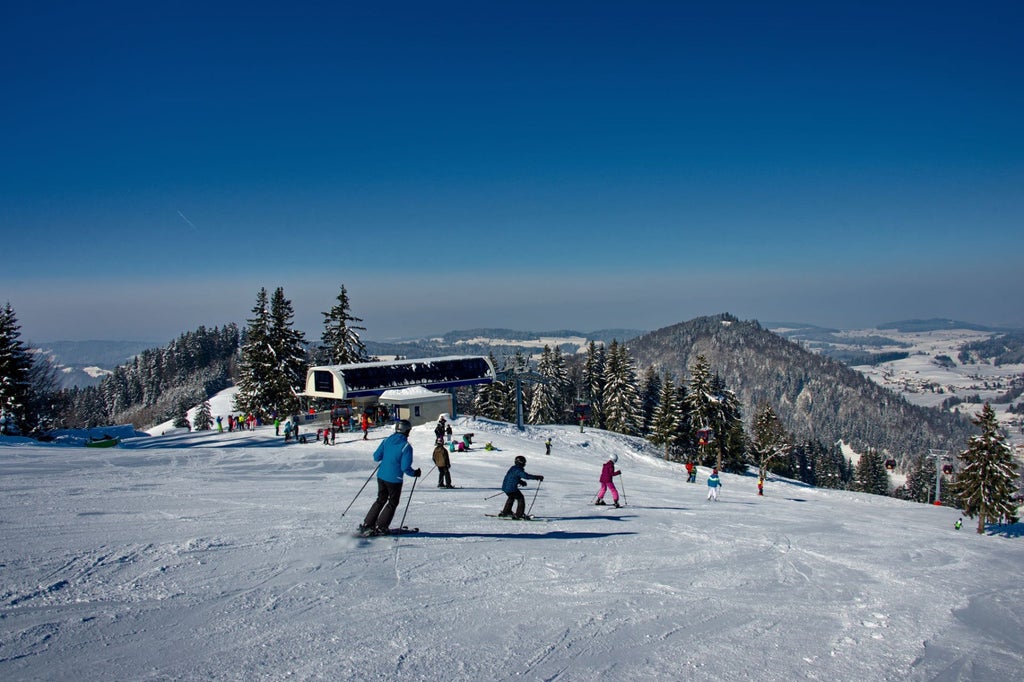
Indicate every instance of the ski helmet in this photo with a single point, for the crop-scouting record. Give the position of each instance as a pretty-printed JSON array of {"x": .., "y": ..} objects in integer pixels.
[
  {"x": 614, "y": 458},
  {"x": 520, "y": 461},
  {"x": 404, "y": 426}
]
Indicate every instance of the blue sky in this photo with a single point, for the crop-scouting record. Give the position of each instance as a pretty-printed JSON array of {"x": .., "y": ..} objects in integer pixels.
[{"x": 528, "y": 165}]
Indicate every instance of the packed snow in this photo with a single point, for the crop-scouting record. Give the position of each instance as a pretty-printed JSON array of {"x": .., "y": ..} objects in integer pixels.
[{"x": 231, "y": 556}]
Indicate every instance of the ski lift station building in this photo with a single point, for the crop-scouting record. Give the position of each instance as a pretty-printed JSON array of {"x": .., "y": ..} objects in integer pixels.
[{"x": 408, "y": 386}]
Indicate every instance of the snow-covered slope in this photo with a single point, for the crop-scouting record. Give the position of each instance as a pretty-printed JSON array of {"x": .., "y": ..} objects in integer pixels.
[{"x": 230, "y": 557}]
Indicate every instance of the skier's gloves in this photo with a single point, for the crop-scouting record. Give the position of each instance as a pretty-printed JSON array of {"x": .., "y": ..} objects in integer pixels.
[
  {"x": 522, "y": 484},
  {"x": 416, "y": 473},
  {"x": 540, "y": 478}
]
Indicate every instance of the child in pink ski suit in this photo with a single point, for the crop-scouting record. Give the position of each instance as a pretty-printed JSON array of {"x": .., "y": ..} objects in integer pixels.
[{"x": 608, "y": 472}]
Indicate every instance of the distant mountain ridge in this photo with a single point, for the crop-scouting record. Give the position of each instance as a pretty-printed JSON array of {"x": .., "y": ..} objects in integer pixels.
[
  {"x": 498, "y": 341},
  {"x": 85, "y": 363}
]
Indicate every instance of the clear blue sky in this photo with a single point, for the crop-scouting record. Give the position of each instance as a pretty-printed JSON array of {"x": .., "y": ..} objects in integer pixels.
[{"x": 535, "y": 165}]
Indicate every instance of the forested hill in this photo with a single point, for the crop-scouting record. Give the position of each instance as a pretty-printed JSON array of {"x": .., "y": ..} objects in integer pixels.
[{"x": 816, "y": 398}]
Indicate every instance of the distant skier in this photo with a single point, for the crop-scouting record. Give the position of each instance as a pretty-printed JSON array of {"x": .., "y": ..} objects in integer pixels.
[
  {"x": 364, "y": 422},
  {"x": 691, "y": 473},
  {"x": 547, "y": 447},
  {"x": 608, "y": 473},
  {"x": 760, "y": 486},
  {"x": 439, "y": 430},
  {"x": 514, "y": 478},
  {"x": 714, "y": 483},
  {"x": 959, "y": 523},
  {"x": 395, "y": 457}
]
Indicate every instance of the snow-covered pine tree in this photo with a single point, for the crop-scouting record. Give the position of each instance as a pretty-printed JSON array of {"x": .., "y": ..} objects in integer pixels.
[
  {"x": 181, "y": 415},
  {"x": 987, "y": 481},
  {"x": 341, "y": 339},
  {"x": 921, "y": 480},
  {"x": 289, "y": 345},
  {"x": 713, "y": 413},
  {"x": 204, "y": 418},
  {"x": 650, "y": 392},
  {"x": 870, "y": 475},
  {"x": 15, "y": 375},
  {"x": 258, "y": 366},
  {"x": 594, "y": 382},
  {"x": 666, "y": 417},
  {"x": 545, "y": 395},
  {"x": 622, "y": 395},
  {"x": 830, "y": 468},
  {"x": 769, "y": 441},
  {"x": 489, "y": 397}
]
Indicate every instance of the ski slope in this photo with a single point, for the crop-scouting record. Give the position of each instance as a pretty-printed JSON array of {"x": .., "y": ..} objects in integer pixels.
[{"x": 229, "y": 557}]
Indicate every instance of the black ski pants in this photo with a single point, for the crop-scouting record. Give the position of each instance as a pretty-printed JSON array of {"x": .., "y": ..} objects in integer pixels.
[
  {"x": 519, "y": 500},
  {"x": 383, "y": 509},
  {"x": 444, "y": 477}
]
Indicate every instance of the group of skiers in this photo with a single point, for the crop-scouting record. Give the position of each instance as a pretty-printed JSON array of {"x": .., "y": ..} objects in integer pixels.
[{"x": 394, "y": 457}]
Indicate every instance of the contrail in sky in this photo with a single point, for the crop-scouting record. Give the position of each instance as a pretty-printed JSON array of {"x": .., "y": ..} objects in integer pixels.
[{"x": 188, "y": 221}]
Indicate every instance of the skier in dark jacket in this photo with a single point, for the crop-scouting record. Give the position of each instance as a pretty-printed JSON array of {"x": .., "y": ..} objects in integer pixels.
[
  {"x": 395, "y": 457},
  {"x": 514, "y": 478}
]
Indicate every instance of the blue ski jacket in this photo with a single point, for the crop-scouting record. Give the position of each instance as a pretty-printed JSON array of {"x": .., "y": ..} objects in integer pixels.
[
  {"x": 395, "y": 457},
  {"x": 512, "y": 477},
  {"x": 713, "y": 481}
]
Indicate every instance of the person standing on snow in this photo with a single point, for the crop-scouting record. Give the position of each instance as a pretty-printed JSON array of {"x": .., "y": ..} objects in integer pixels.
[
  {"x": 444, "y": 465},
  {"x": 395, "y": 457},
  {"x": 608, "y": 473},
  {"x": 714, "y": 483},
  {"x": 547, "y": 447},
  {"x": 439, "y": 429},
  {"x": 691, "y": 473},
  {"x": 514, "y": 478}
]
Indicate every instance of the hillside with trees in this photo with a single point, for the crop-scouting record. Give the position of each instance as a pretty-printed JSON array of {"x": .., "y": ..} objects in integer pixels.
[{"x": 817, "y": 399}]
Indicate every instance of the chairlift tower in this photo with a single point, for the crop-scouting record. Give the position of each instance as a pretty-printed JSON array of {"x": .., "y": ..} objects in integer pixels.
[
  {"x": 939, "y": 456},
  {"x": 519, "y": 377}
]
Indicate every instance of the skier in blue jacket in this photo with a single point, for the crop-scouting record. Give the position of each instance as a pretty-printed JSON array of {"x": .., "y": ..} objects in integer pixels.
[
  {"x": 714, "y": 483},
  {"x": 514, "y": 478},
  {"x": 395, "y": 457}
]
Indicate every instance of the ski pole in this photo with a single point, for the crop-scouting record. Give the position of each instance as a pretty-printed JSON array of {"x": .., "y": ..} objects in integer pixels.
[
  {"x": 500, "y": 492},
  {"x": 360, "y": 490},
  {"x": 431, "y": 469},
  {"x": 402, "y": 524},
  {"x": 534, "y": 498},
  {"x": 623, "y": 486}
]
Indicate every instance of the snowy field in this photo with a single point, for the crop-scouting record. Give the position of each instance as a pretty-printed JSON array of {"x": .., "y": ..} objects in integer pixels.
[
  {"x": 227, "y": 556},
  {"x": 921, "y": 380}
]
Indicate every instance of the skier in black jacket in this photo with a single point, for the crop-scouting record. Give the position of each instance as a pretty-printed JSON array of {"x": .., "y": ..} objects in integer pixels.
[{"x": 514, "y": 478}]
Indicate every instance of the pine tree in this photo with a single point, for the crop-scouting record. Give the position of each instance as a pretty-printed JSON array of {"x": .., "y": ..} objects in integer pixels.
[
  {"x": 921, "y": 480},
  {"x": 666, "y": 418},
  {"x": 769, "y": 440},
  {"x": 203, "y": 418},
  {"x": 289, "y": 347},
  {"x": 340, "y": 337},
  {"x": 489, "y": 400},
  {"x": 714, "y": 413},
  {"x": 545, "y": 395},
  {"x": 594, "y": 382},
  {"x": 986, "y": 484},
  {"x": 870, "y": 475},
  {"x": 258, "y": 366},
  {"x": 650, "y": 392},
  {"x": 15, "y": 376},
  {"x": 622, "y": 395}
]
